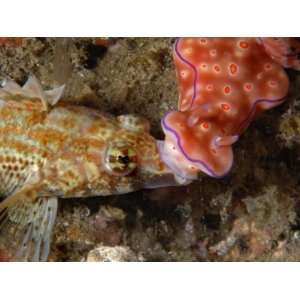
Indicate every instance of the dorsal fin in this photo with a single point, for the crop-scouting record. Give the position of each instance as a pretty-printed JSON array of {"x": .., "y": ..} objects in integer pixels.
[
  {"x": 54, "y": 95},
  {"x": 31, "y": 89}
]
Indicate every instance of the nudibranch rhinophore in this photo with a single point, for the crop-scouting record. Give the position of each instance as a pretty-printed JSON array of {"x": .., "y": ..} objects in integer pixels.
[{"x": 223, "y": 84}]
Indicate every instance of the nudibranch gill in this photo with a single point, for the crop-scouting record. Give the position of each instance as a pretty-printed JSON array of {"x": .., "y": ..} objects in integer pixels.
[{"x": 223, "y": 84}]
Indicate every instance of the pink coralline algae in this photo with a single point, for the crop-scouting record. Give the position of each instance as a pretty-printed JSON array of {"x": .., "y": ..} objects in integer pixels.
[{"x": 223, "y": 84}]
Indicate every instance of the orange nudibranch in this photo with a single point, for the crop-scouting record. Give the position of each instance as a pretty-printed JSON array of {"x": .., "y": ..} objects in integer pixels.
[
  {"x": 15, "y": 41},
  {"x": 223, "y": 84}
]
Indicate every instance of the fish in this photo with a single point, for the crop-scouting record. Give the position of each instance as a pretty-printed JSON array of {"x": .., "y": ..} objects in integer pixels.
[
  {"x": 51, "y": 149},
  {"x": 223, "y": 84}
]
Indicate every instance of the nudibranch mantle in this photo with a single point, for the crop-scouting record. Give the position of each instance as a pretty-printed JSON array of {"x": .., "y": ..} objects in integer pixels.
[{"x": 223, "y": 84}]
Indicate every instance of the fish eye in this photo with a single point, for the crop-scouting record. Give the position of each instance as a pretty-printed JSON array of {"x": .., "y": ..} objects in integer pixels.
[{"x": 120, "y": 159}]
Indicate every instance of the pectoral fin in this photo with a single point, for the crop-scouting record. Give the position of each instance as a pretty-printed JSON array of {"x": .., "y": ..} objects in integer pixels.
[{"x": 26, "y": 226}]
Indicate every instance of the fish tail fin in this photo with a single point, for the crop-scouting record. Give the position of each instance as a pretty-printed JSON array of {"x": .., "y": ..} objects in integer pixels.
[{"x": 26, "y": 227}]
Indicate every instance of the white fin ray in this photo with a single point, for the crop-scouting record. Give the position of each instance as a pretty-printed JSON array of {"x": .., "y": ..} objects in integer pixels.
[
  {"x": 10, "y": 87},
  {"x": 36, "y": 243},
  {"x": 32, "y": 225},
  {"x": 32, "y": 89},
  {"x": 55, "y": 94}
]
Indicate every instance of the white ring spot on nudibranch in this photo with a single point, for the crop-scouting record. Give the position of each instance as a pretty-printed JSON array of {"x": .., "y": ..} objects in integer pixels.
[
  {"x": 187, "y": 51},
  {"x": 202, "y": 41},
  {"x": 217, "y": 68},
  {"x": 213, "y": 52},
  {"x": 272, "y": 83},
  {"x": 184, "y": 74},
  {"x": 209, "y": 87},
  {"x": 205, "y": 126},
  {"x": 204, "y": 66},
  {"x": 243, "y": 44},
  {"x": 227, "y": 89},
  {"x": 225, "y": 106},
  {"x": 259, "y": 75},
  {"x": 268, "y": 67},
  {"x": 233, "y": 69},
  {"x": 248, "y": 87}
]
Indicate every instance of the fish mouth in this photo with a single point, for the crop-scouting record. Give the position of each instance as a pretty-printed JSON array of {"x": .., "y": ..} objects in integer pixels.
[{"x": 165, "y": 180}]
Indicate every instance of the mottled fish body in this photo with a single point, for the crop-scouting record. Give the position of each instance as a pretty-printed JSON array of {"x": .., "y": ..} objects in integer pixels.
[{"x": 50, "y": 150}]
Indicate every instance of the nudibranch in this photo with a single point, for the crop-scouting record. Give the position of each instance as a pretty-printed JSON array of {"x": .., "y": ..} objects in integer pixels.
[
  {"x": 285, "y": 51},
  {"x": 223, "y": 84}
]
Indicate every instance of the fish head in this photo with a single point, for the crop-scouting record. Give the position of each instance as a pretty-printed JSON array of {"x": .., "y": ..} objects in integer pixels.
[{"x": 132, "y": 158}]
